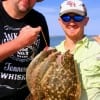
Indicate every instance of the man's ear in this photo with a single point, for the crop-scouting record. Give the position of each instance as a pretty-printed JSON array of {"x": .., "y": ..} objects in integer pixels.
[
  {"x": 86, "y": 20},
  {"x": 60, "y": 21}
]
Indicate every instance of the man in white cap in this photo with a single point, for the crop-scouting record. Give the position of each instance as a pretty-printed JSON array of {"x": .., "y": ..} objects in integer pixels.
[
  {"x": 20, "y": 38},
  {"x": 73, "y": 19}
]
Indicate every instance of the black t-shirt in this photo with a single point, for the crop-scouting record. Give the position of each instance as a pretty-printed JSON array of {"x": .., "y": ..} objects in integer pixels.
[{"x": 13, "y": 69}]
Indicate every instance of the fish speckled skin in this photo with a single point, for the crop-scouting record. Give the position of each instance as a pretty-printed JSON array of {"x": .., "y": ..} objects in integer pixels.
[{"x": 53, "y": 76}]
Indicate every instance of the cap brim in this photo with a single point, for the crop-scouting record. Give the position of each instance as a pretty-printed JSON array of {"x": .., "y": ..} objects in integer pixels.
[
  {"x": 73, "y": 11},
  {"x": 39, "y": 0}
]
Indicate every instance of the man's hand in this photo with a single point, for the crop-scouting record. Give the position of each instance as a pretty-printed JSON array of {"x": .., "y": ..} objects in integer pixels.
[{"x": 28, "y": 35}]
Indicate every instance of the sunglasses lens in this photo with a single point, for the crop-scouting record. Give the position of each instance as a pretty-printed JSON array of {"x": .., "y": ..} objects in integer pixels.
[
  {"x": 76, "y": 18},
  {"x": 66, "y": 18}
]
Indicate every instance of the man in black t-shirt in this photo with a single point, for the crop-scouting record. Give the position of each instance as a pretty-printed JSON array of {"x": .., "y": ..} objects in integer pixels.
[{"x": 22, "y": 32}]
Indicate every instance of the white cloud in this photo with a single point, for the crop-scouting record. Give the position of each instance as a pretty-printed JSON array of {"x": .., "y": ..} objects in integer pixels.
[{"x": 46, "y": 10}]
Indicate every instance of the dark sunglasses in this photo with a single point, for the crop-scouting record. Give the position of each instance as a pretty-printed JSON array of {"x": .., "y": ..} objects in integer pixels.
[{"x": 76, "y": 18}]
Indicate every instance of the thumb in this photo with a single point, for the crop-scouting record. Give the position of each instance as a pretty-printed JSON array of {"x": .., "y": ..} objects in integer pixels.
[{"x": 37, "y": 29}]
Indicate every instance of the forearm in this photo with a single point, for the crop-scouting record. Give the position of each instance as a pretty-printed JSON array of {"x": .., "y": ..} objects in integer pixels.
[{"x": 9, "y": 48}]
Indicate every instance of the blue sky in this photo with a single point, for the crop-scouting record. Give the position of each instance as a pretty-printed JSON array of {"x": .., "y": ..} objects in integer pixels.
[{"x": 50, "y": 9}]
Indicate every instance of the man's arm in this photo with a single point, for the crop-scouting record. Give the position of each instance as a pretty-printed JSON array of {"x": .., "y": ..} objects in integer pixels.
[{"x": 26, "y": 37}]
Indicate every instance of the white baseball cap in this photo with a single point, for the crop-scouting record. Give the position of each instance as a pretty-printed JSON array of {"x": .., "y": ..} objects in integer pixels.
[{"x": 73, "y": 6}]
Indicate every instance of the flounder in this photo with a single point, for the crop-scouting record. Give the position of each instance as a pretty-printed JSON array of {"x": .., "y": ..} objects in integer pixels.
[{"x": 53, "y": 76}]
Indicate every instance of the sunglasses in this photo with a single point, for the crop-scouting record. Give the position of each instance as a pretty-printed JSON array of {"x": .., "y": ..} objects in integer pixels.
[{"x": 76, "y": 18}]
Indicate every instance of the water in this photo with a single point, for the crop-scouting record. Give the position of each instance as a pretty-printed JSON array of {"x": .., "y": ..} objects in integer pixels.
[{"x": 55, "y": 40}]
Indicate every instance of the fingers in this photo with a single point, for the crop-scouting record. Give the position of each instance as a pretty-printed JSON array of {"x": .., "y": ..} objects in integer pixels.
[
  {"x": 36, "y": 29},
  {"x": 28, "y": 35},
  {"x": 31, "y": 29}
]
